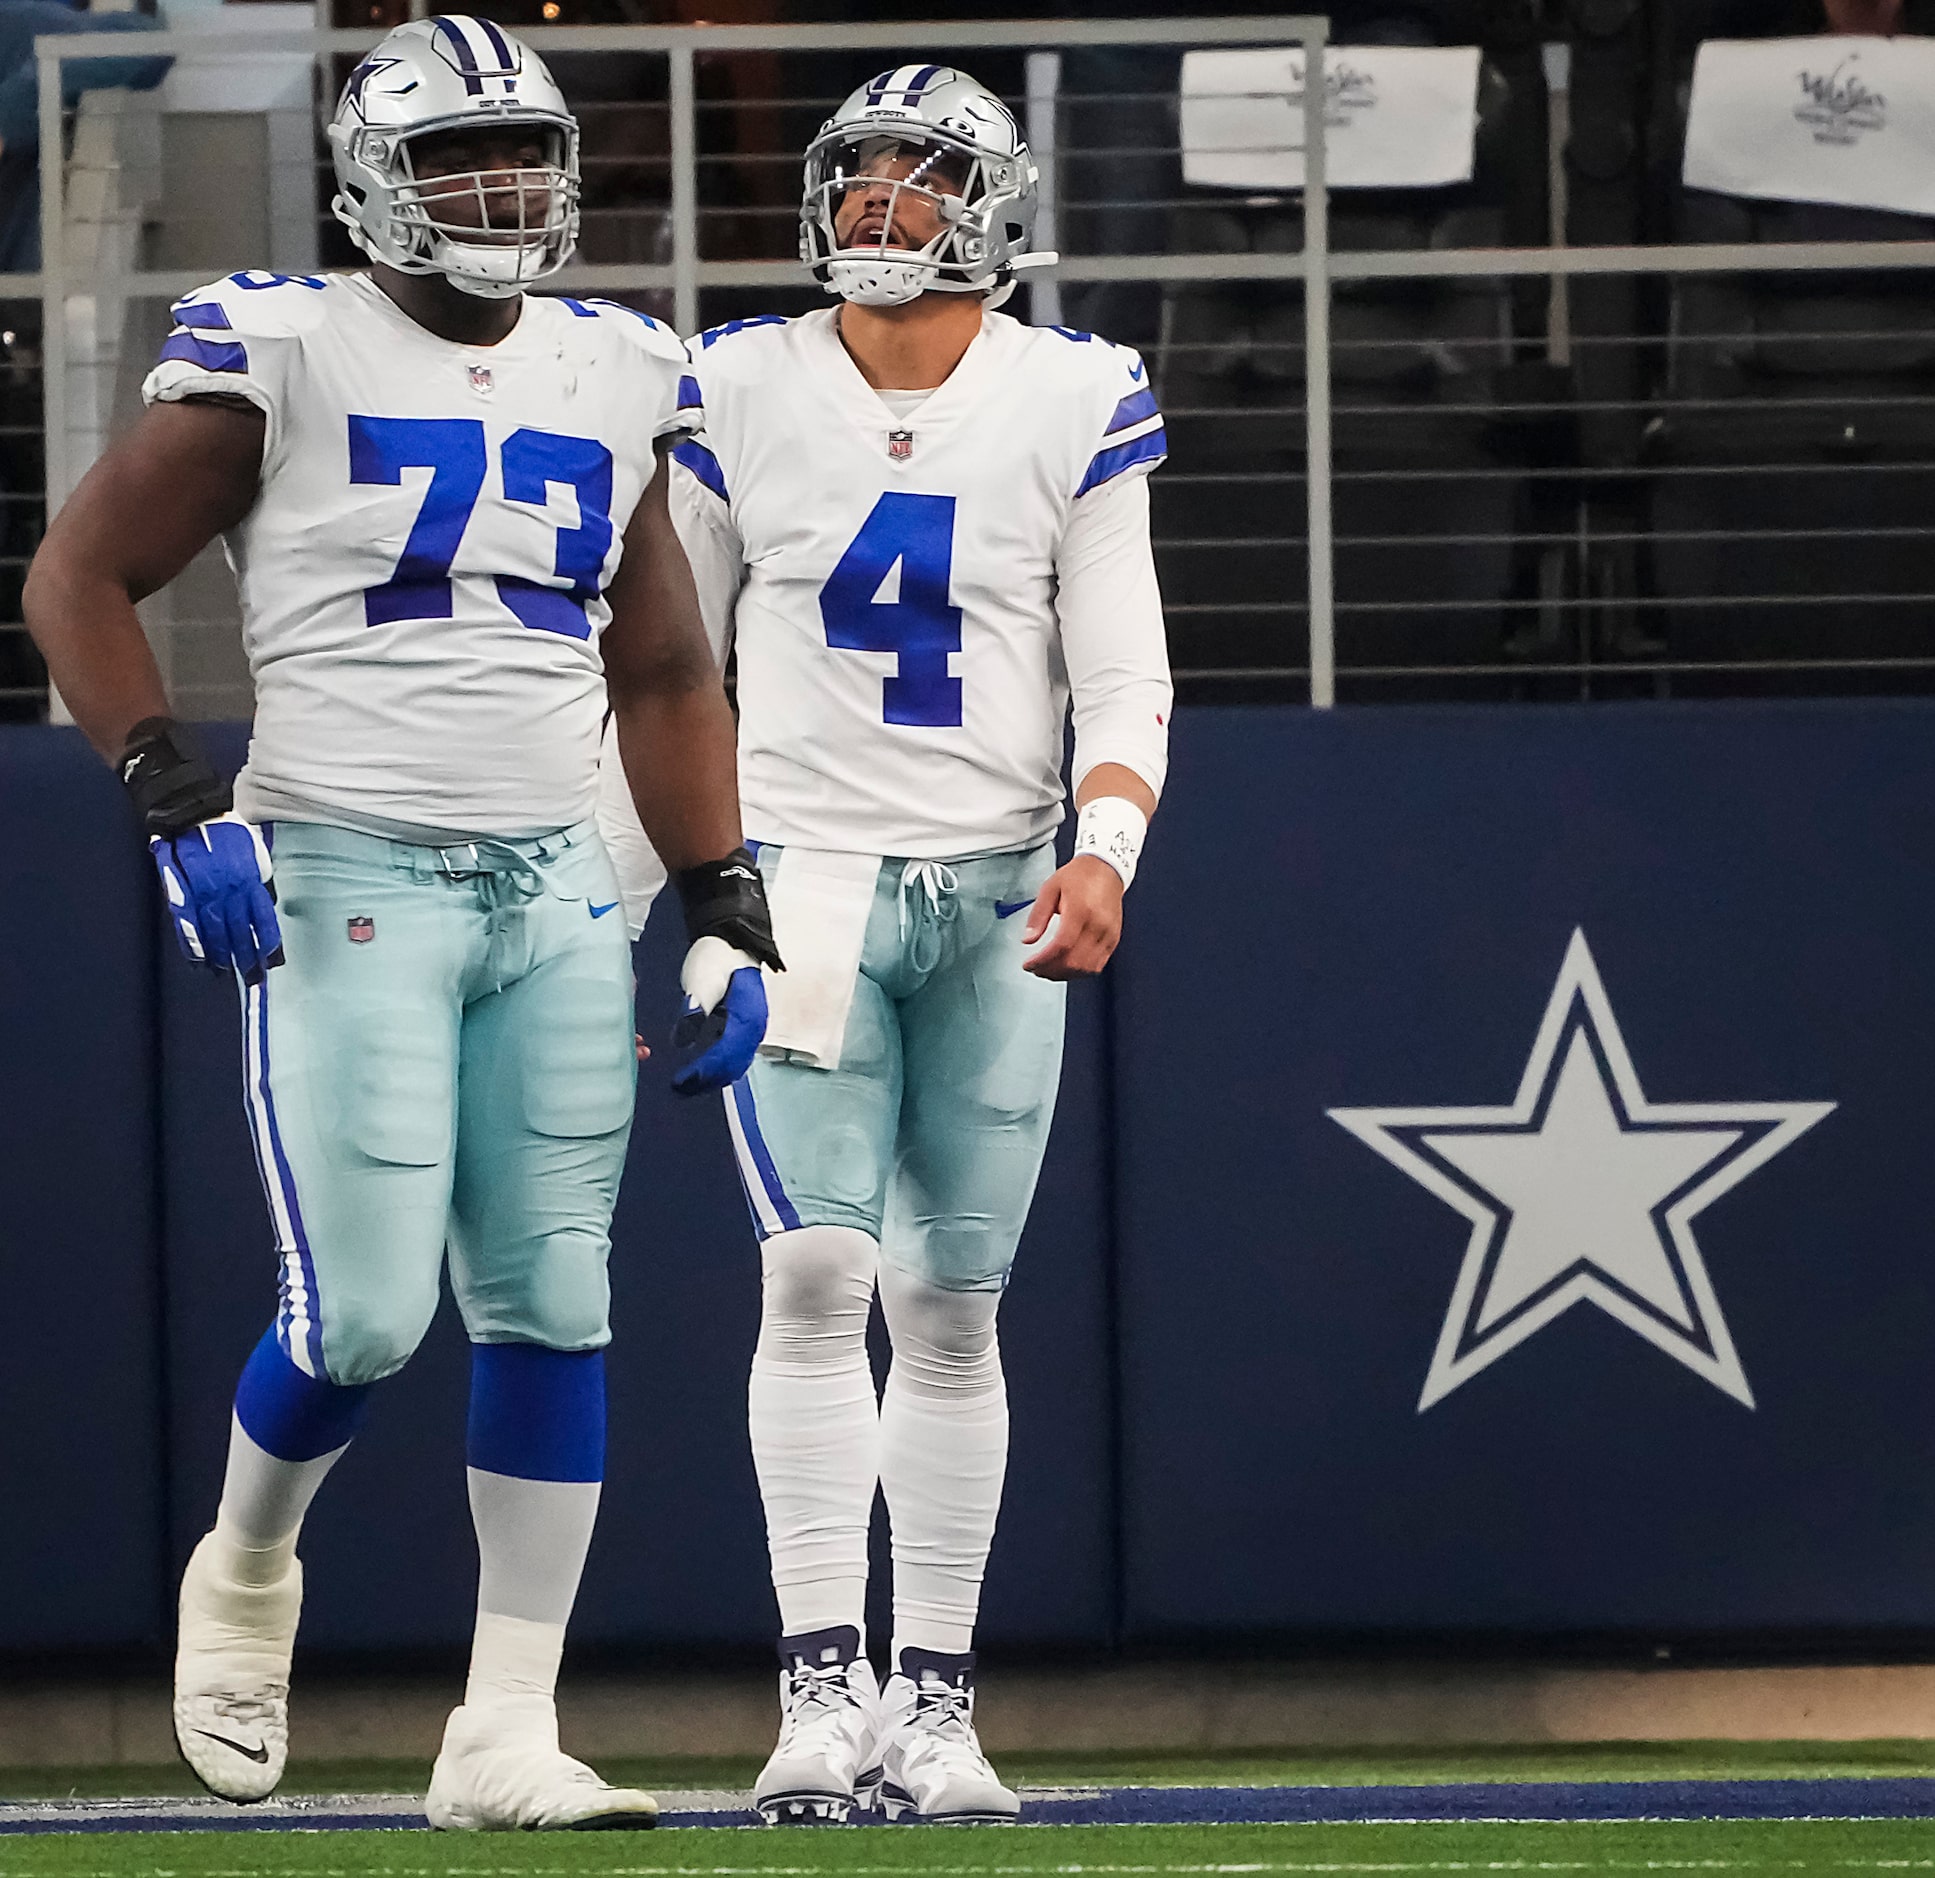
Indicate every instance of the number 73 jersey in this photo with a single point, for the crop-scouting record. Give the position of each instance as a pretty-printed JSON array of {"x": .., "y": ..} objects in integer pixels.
[
  {"x": 422, "y": 575},
  {"x": 899, "y": 587}
]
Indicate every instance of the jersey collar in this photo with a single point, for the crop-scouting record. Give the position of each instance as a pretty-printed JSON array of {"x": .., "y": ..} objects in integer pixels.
[{"x": 946, "y": 405}]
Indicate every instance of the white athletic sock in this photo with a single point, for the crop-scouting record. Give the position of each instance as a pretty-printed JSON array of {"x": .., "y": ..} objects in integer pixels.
[
  {"x": 943, "y": 1453},
  {"x": 513, "y": 1659},
  {"x": 815, "y": 1422},
  {"x": 532, "y": 1537},
  {"x": 263, "y": 1503}
]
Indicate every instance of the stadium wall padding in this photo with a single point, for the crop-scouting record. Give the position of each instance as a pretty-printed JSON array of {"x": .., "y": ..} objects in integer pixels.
[{"x": 1229, "y": 1303}]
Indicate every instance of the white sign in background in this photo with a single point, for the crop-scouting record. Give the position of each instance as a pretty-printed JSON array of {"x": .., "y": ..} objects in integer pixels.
[
  {"x": 1843, "y": 120},
  {"x": 1395, "y": 117}
]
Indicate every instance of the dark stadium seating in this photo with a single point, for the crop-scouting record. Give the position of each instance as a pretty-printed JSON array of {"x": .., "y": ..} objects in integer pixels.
[
  {"x": 1428, "y": 491},
  {"x": 1790, "y": 447}
]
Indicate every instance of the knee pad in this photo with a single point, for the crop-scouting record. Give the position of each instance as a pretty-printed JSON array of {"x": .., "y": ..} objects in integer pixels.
[
  {"x": 816, "y": 1289},
  {"x": 944, "y": 1341},
  {"x": 365, "y": 1339}
]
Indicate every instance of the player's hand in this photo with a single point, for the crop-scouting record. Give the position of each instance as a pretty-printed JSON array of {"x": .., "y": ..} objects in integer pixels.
[
  {"x": 724, "y": 1018},
  {"x": 1084, "y": 903},
  {"x": 216, "y": 879}
]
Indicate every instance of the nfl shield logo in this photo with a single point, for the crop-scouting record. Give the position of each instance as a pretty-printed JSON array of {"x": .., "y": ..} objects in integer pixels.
[
  {"x": 900, "y": 445},
  {"x": 481, "y": 380},
  {"x": 362, "y": 929}
]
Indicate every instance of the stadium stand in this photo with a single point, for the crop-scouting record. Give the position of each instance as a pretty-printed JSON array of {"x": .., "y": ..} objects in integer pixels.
[
  {"x": 1795, "y": 410},
  {"x": 1429, "y": 485}
]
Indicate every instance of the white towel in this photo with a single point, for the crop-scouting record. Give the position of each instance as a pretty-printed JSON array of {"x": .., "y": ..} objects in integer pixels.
[
  {"x": 1395, "y": 117},
  {"x": 820, "y": 903},
  {"x": 1839, "y": 119}
]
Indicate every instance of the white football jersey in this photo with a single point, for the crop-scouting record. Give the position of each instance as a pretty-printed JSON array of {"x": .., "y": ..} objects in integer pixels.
[
  {"x": 422, "y": 576},
  {"x": 906, "y": 639}
]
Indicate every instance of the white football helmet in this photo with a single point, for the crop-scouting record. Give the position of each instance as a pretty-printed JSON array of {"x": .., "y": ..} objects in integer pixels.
[
  {"x": 444, "y": 74},
  {"x": 969, "y": 161}
]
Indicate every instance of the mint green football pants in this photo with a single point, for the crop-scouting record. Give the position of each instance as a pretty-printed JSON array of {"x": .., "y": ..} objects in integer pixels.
[
  {"x": 929, "y": 1134},
  {"x": 445, "y": 1061}
]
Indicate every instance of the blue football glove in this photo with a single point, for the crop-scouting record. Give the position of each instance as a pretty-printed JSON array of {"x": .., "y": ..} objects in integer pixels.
[
  {"x": 724, "y": 1018},
  {"x": 216, "y": 878}
]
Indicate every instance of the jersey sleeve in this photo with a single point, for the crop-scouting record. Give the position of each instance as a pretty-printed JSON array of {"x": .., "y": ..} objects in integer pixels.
[
  {"x": 633, "y": 858},
  {"x": 238, "y": 338},
  {"x": 1130, "y": 442},
  {"x": 677, "y": 405},
  {"x": 702, "y": 514},
  {"x": 1113, "y": 645}
]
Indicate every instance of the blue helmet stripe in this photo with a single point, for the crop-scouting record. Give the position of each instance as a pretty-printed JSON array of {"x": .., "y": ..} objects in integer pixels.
[
  {"x": 499, "y": 46},
  {"x": 920, "y": 81},
  {"x": 466, "y": 59},
  {"x": 877, "y": 87}
]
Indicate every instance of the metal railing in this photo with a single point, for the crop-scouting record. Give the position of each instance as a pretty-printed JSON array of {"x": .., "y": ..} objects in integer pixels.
[{"x": 1565, "y": 527}]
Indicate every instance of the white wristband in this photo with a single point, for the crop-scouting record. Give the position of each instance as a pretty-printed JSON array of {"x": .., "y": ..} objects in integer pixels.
[{"x": 1112, "y": 829}]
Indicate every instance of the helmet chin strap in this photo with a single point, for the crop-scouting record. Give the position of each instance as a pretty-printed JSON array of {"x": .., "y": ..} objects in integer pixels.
[
  {"x": 878, "y": 283},
  {"x": 508, "y": 264}
]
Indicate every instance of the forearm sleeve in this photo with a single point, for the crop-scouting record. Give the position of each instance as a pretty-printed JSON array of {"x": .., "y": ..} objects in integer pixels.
[{"x": 1117, "y": 655}]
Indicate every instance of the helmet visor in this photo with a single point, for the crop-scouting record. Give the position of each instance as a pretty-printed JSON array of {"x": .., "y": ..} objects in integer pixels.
[{"x": 878, "y": 192}]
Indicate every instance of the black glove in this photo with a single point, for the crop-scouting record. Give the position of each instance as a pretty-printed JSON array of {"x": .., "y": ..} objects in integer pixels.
[
  {"x": 173, "y": 785},
  {"x": 727, "y": 900}
]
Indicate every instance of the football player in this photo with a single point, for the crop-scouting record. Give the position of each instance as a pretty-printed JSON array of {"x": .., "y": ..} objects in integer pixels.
[
  {"x": 925, "y": 528},
  {"x": 445, "y": 506}
]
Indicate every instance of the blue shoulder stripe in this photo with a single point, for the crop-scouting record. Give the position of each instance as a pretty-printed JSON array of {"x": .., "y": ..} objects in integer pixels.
[
  {"x": 1112, "y": 462},
  {"x": 212, "y": 355},
  {"x": 703, "y": 464},
  {"x": 578, "y": 307},
  {"x": 618, "y": 306},
  {"x": 1133, "y": 409},
  {"x": 689, "y": 399},
  {"x": 714, "y": 334},
  {"x": 206, "y": 316}
]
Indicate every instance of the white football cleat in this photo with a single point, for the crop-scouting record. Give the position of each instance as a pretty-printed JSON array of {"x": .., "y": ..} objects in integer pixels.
[
  {"x": 232, "y": 1646},
  {"x": 501, "y": 1770},
  {"x": 827, "y": 1703},
  {"x": 931, "y": 1764}
]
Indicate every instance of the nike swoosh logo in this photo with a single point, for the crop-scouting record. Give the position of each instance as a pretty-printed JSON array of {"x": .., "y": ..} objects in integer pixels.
[
  {"x": 599, "y": 912},
  {"x": 1006, "y": 909},
  {"x": 259, "y": 1754}
]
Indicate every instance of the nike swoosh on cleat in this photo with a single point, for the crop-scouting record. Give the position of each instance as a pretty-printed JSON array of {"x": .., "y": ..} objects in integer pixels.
[
  {"x": 599, "y": 912},
  {"x": 1006, "y": 909},
  {"x": 259, "y": 1754}
]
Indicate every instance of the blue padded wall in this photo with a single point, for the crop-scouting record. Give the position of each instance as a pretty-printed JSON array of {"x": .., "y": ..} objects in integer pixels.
[
  {"x": 82, "y": 1450},
  {"x": 1380, "y": 903},
  {"x": 1226, "y": 1306}
]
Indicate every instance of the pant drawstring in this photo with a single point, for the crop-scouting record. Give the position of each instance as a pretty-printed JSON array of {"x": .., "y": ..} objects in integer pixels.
[
  {"x": 927, "y": 904},
  {"x": 505, "y": 876}
]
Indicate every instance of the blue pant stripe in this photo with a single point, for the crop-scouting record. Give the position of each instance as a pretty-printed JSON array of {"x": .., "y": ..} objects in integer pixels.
[
  {"x": 762, "y": 1159},
  {"x": 281, "y": 1183}
]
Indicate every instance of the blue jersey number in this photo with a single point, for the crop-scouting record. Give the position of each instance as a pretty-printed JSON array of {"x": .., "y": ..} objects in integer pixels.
[
  {"x": 917, "y": 534},
  {"x": 452, "y": 450}
]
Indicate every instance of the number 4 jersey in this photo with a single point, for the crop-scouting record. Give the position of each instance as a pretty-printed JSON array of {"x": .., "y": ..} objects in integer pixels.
[
  {"x": 916, "y": 593},
  {"x": 422, "y": 575}
]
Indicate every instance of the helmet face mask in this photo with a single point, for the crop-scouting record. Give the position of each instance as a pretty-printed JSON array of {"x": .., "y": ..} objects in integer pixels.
[
  {"x": 432, "y": 142},
  {"x": 919, "y": 183}
]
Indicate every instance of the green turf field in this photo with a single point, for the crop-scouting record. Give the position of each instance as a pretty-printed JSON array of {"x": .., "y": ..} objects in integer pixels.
[
  {"x": 1715, "y": 1846},
  {"x": 884, "y": 1852}
]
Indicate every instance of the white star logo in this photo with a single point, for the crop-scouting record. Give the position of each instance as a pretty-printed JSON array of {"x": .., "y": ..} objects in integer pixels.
[{"x": 1582, "y": 1192}]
